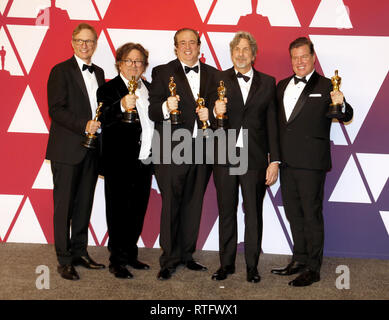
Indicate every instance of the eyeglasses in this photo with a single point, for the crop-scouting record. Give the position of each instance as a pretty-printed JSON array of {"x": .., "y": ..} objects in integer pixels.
[
  {"x": 130, "y": 62},
  {"x": 80, "y": 42}
]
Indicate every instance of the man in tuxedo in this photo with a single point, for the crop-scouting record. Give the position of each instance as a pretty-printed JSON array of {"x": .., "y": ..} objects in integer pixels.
[
  {"x": 303, "y": 101},
  {"x": 251, "y": 108},
  {"x": 127, "y": 179},
  {"x": 71, "y": 93},
  {"x": 182, "y": 185}
]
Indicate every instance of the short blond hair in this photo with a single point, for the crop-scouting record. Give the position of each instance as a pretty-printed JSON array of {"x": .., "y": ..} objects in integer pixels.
[{"x": 83, "y": 26}]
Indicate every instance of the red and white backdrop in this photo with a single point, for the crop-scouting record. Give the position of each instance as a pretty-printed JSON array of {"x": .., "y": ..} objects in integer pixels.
[{"x": 350, "y": 35}]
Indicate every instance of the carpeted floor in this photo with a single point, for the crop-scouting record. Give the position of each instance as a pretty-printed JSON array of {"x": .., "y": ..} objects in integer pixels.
[{"x": 369, "y": 279}]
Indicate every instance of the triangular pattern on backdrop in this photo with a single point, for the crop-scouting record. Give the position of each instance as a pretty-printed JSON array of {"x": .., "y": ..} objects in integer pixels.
[
  {"x": 27, "y": 228},
  {"x": 28, "y": 118},
  {"x": 331, "y": 14},
  {"x": 350, "y": 186}
]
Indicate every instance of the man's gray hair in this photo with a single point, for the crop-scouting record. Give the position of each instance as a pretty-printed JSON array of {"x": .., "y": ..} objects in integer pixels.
[{"x": 244, "y": 35}]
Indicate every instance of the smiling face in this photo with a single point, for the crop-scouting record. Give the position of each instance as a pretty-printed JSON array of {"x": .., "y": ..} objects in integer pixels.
[
  {"x": 242, "y": 56},
  {"x": 303, "y": 61},
  {"x": 87, "y": 47},
  {"x": 132, "y": 65},
  {"x": 187, "y": 47}
]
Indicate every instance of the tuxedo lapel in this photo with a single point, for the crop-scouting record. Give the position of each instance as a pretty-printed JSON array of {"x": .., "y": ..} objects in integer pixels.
[
  {"x": 203, "y": 80},
  {"x": 234, "y": 91},
  {"x": 120, "y": 87},
  {"x": 281, "y": 93},
  {"x": 180, "y": 77},
  {"x": 99, "y": 76},
  {"x": 77, "y": 75},
  {"x": 147, "y": 84},
  {"x": 304, "y": 96},
  {"x": 255, "y": 86}
]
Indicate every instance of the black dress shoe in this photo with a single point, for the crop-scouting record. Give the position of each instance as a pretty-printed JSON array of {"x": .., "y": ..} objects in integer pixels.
[
  {"x": 222, "y": 273},
  {"x": 305, "y": 279},
  {"x": 136, "y": 264},
  {"x": 165, "y": 273},
  {"x": 68, "y": 272},
  {"x": 195, "y": 266},
  {"x": 120, "y": 271},
  {"x": 87, "y": 262},
  {"x": 253, "y": 275},
  {"x": 292, "y": 268}
]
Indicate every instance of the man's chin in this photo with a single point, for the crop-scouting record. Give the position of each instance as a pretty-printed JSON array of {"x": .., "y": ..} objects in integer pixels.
[{"x": 241, "y": 66}]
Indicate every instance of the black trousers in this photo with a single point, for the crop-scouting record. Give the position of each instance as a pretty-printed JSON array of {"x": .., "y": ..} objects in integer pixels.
[
  {"x": 182, "y": 189},
  {"x": 74, "y": 187},
  {"x": 302, "y": 195},
  {"x": 127, "y": 191},
  {"x": 253, "y": 191}
]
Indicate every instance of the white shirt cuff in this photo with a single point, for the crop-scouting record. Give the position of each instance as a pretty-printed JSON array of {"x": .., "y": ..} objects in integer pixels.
[{"x": 166, "y": 114}]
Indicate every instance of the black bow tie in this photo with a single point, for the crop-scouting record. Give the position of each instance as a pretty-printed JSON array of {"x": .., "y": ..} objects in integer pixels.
[
  {"x": 195, "y": 69},
  {"x": 245, "y": 78},
  {"x": 90, "y": 68},
  {"x": 297, "y": 80}
]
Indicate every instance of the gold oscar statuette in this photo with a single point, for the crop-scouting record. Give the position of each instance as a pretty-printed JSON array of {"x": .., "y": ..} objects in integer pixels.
[
  {"x": 131, "y": 116},
  {"x": 90, "y": 138},
  {"x": 335, "y": 110},
  {"x": 201, "y": 104},
  {"x": 175, "y": 115},
  {"x": 221, "y": 119}
]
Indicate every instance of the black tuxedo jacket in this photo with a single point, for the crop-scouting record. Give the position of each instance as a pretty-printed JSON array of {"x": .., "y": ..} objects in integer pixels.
[
  {"x": 305, "y": 137},
  {"x": 258, "y": 115},
  {"x": 70, "y": 110},
  {"x": 159, "y": 93},
  {"x": 120, "y": 141}
]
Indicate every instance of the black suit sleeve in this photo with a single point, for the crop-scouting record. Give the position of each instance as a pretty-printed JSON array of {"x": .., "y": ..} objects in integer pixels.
[
  {"x": 158, "y": 94},
  {"x": 111, "y": 110},
  {"x": 211, "y": 95},
  {"x": 57, "y": 96},
  {"x": 349, "y": 113}
]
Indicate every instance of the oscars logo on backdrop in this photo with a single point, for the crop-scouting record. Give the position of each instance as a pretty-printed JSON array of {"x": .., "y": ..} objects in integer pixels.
[
  {"x": 3, "y": 73},
  {"x": 253, "y": 18},
  {"x": 47, "y": 16},
  {"x": 2, "y": 55}
]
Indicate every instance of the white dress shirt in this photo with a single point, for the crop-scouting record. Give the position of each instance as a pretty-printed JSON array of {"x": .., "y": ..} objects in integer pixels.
[
  {"x": 245, "y": 86},
  {"x": 245, "y": 89},
  {"x": 292, "y": 94},
  {"x": 91, "y": 85},
  {"x": 194, "y": 84},
  {"x": 142, "y": 106}
]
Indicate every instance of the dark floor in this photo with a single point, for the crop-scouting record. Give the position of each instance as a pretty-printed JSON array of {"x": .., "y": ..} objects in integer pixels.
[{"x": 369, "y": 279}]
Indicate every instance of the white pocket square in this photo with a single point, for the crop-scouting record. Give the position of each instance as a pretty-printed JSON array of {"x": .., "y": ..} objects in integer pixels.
[{"x": 315, "y": 95}]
